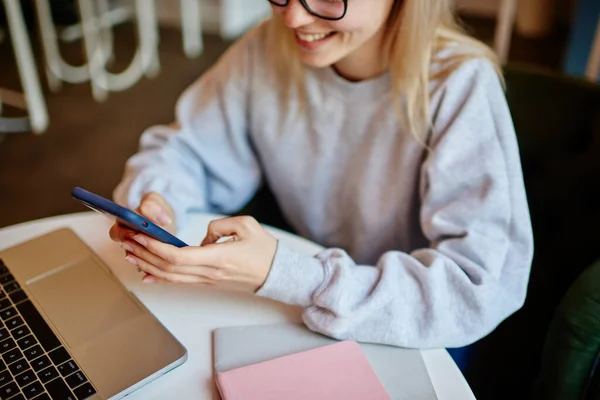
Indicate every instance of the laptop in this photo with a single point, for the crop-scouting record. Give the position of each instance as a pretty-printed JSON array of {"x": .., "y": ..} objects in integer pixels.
[{"x": 69, "y": 330}]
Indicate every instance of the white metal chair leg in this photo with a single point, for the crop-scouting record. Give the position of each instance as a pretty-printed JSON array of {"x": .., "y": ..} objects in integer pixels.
[
  {"x": 106, "y": 34},
  {"x": 593, "y": 67},
  {"x": 34, "y": 98},
  {"x": 191, "y": 27},
  {"x": 149, "y": 37},
  {"x": 108, "y": 19},
  {"x": 93, "y": 51},
  {"x": 13, "y": 124},
  {"x": 504, "y": 28},
  {"x": 58, "y": 70},
  {"x": 145, "y": 58}
]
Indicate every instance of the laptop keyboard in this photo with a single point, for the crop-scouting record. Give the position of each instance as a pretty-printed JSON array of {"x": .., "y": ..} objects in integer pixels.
[{"x": 33, "y": 364}]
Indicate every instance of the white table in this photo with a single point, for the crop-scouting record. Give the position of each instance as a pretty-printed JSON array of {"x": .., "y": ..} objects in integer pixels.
[{"x": 192, "y": 313}]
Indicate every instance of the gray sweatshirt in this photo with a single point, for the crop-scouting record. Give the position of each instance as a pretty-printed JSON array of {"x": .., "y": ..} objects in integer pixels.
[{"x": 425, "y": 248}]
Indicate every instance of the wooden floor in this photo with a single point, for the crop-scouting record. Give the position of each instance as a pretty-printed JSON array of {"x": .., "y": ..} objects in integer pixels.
[{"x": 87, "y": 142}]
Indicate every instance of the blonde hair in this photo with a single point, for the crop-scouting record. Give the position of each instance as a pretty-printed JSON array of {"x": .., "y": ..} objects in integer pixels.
[{"x": 421, "y": 28}]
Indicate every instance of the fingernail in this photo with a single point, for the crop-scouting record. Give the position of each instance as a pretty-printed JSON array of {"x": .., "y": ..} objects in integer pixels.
[
  {"x": 141, "y": 240},
  {"x": 148, "y": 279},
  {"x": 131, "y": 260},
  {"x": 126, "y": 247},
  {"x": 163, "y": 218}
]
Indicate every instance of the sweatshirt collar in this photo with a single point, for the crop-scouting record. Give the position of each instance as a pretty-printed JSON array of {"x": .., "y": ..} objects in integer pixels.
[{"x": 368, "y": 89}]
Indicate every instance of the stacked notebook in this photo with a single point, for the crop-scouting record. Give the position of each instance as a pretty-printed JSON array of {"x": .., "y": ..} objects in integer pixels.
[{"x": 291, "y": 362}]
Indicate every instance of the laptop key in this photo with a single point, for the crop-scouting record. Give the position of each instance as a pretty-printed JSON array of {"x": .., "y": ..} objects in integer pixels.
[
  {"x": 18, "y": 366},
  {"x": 76, "y": 379},
  {"x": 26, "y": 378},
  {"x": 3, "y": 334},
  {"x": 3, "y": 268},
  {"x": 59, "y": 356},
  {"x": 40, "y": 363},
  {"x": 68, "y": 368},
  {"x": 7, "y": 344},
  {"x": 11, "y": 287},
  {"x": 84, "y": 391},
  {"x": 48, "y": 374},
  {"x": 4, "y": 303},
  {"x": 26, "y": 342},
  {"x": 38, "y": 325},
  {"x": 33, "y": 352},
  {"x": 14, "y": 322},
  {"x": 20, "y": 332},
  {"x": 20, "y": 397},
  {"x": 6, "y": 278},
  {"x": 8, "y": 313},
  {"x": 44, "y": 396},
  {"x": 7, "y": 391},
  {"x": 11, "y": 356},
  {"x": 5, "y": 377},
  {"x": 33, "y": 390},
  {"x": 18, "y": 296},
  {"x": 58, "y": 390}
]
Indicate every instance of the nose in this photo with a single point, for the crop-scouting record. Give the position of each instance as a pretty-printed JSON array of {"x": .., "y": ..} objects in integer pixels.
[{"x": 295, "y": 15}]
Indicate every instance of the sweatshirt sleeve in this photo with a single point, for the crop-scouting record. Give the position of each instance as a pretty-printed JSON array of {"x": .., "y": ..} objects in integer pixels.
[
  {"x": 204, "y": 161},
  {"x": 474, "y": 272}
]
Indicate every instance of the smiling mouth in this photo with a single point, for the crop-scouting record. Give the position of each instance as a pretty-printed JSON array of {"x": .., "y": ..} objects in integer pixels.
[{"x": 313, "y": 37}]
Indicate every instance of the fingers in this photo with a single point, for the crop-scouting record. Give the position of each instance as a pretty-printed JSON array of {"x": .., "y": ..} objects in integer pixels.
[
  {"x": 156, "y": 209},
  {"x": 141, "y": 252},
  {"x": 239, "y": 227},
  {"x": 169, "y": 253},
  {"x": 132, "y": 247},
  {"x": 157, "y": 274},
  {"x": 119, "y": 233}
]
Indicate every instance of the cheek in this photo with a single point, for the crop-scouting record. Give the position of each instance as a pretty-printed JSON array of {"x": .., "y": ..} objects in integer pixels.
[
  {"x": 276, "y": 10},
  {"x": 355, "y": 23},
  {"x": 364, "y": 17},
  {"x": 347, "y": 26}
]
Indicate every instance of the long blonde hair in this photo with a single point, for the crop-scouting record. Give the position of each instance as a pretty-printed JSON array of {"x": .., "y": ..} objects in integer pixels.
[{"x": 421, "y": 28}]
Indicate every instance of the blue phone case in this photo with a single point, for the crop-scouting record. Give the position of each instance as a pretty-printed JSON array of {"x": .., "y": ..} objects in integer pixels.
[{"x": 125, "y": 216}]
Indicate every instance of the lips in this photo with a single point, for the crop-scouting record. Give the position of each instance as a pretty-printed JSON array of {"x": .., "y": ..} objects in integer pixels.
[
  {"x": 312, "y": 37},
  {"x": 313, "y": 41}
]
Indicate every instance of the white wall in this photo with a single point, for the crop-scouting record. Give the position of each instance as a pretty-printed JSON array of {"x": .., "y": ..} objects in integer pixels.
[{"x": 229, "y": 18}]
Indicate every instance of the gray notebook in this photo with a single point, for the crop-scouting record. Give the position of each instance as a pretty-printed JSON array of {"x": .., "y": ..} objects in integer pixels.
[{"x": 401, "y": 371}]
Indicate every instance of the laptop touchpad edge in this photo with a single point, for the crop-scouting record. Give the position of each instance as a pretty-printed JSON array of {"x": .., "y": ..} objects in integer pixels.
[{"x": 82, "y": 301}]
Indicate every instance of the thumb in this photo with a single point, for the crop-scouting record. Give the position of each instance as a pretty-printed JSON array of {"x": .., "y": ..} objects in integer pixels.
[{"x": 152, "y": 210}]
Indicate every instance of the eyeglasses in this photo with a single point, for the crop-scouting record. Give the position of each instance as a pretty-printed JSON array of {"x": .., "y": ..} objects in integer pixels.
[{"x": 331, "y": 10}]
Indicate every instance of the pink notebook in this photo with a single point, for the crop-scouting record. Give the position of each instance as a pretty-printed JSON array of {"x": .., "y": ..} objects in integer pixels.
[{"x": 337, "y": 371}]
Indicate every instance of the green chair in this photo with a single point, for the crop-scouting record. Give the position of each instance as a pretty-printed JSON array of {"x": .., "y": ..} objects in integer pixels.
[{"x": 568, "y": 368}]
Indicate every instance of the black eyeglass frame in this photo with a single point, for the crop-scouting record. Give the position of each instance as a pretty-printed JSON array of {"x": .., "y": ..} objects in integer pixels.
[{"x": 278, "y": 3}]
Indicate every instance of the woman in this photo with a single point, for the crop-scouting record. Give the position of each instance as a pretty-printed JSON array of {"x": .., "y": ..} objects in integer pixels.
[{"x": 384, "y": 134}]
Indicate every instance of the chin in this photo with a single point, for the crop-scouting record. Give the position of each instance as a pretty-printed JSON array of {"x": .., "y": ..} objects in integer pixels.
[{"x": 317, "y": 61}]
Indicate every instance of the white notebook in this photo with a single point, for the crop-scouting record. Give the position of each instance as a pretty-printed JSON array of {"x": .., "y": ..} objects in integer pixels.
[{"x": 401, "y": 371}]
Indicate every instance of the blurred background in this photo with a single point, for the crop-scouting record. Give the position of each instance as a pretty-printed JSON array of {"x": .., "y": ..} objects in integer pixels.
[
  {"x": 60, "y": 129},
  {"x": 74, "y": 132}
]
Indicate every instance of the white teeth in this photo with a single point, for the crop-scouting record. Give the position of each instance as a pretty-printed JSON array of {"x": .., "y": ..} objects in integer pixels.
[{"x": 311, "y": 37}]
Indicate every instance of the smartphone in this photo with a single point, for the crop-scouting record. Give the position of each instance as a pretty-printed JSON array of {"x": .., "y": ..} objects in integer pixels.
[{"x": 125, "y": 216}]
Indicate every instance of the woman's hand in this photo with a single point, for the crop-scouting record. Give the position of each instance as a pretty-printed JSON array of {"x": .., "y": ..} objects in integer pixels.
[
  {"x": 153, "y": 207},
  {"x": 242, "y": 262}
]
